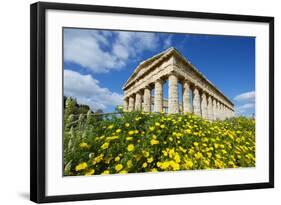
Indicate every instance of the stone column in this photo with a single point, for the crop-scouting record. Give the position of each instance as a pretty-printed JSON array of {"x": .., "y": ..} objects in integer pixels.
[
  {"x": 214, "y": 109},
  {"x": 204, "y": 106},
  {"x": 223, "y": 111},
  {"x": 210, "y": 108},
  {"x": 131, "y": 103},
  {"x": 138, "y": 102},
  {"x": 186, "y": 97},
  {"x": 196, "y": 102},
  {"x": 158, "y": 96},
  {"x": 147, "y": 100},
  {"x": 125, "y": 104},
  {"x": 218, "y": 110},
  {"x": 173, "y": 96}
]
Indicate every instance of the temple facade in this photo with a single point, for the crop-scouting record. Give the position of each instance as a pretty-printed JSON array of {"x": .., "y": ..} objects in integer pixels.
[{"x": 199, "y": 95}]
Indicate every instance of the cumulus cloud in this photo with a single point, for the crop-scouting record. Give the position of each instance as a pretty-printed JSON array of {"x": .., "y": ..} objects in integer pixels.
[
  {"x": 245, "y": 107},
  {"x": 87, "y": 91},
  {"x": 167, "y": 42},
  {"x": 246, "y": 103},
  {"x": 247, "y": 96},
  {"x": 103, "y": 51}
]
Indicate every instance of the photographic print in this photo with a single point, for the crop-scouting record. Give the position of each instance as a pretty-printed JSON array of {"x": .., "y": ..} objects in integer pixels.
[
  {"x": 137, "y": 101},
  {"x": 130, "y": 102}
]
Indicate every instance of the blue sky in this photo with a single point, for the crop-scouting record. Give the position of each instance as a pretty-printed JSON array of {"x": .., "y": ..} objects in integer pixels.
[{"x": 97, "y": 63}]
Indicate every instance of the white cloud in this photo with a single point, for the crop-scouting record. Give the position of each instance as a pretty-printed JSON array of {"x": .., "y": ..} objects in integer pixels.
[
  {"x": 103, "y": 51},
  {"x": 167, "y": 42},
  {"x": 247, "y": 106},
  {"x": 244, "y": 108},
  {"x": 247, "y": 96},
  {"x": 87, "y": 91}
]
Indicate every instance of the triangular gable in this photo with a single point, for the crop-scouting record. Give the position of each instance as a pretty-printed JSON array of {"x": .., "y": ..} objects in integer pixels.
[{"x": 147, "y": 64}]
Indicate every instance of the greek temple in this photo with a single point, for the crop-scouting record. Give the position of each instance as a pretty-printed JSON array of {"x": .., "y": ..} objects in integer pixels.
[{"x": 199, "y": 95}]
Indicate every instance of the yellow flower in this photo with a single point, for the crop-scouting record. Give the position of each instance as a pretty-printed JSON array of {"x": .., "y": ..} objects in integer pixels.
[
  {"x": 127, "y": 124},
  {"x": 145, "y": 153},
  {"x": 137, "y": 118},
  {"x": 171, "y": 152},
  {"x": 81, "y": 166},
  {"x": 188, "y": 164},
  {"x": 196, "y": 144},
  {"x": 118, "y": 167},
  {"x": 129, "y": 138},
  {"x": 174, "y": 165},
  {"x": 198, "y": 155},
  {"x": 117, "y": 159},
  {"x": 84, "y": 145},
  {"x": 154, "y": 142},
  {"x": 105, "y": 145},
  {"x": 105, "y": 172},
  {"x": 97, "y": 159},
  {"x": 144, "y": 165},
  {"x": 110, "y": 126},
  {"x": 154, "y": 170},
  {"x": 149, "y": 160},
  {"x": 131, "y": 132},
  {"x": 151, "y": 128},
  {"x": 188, "y": 131},
  {"x": 164, "y": 165},
  {"x": 162, "y": 126},
  {"x": 157, "y": 124},
  {"x": 177, "y": 158},
  {"x": 129, "y": 163},
  {"x": 123, "y": 172},
  {"x": 209, "y": 154},
  {"x": 90, "y": 172},
  {"x": 218, "y": 163},
  {"x": 118, "y": 130},
  {"x": 130, "y": 147}
]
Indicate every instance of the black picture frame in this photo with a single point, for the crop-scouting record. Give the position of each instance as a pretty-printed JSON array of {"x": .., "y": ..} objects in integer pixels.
[{"x": 38, "y": 100}]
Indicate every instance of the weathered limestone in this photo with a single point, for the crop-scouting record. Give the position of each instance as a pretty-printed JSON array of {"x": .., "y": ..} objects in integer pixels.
[
  {"x": 186, "y": 97},
  {"x": 218, "y": 110},
  {"x": 170, "y": 65},
  {"x": 223, "y": 115},
  {"x": 131, "y": 104},
  {"x": 214, "y": 109},
  {"x": 196, "y": 102},
  {"x": 125, "y": 104},
  {"x": 210, "y": 108},
  {"x": 173, "y": 100},
  {"x": 147, "y": 100},
  {"x": 138, "y": 102},
  {"x": 204, "y": 106},
  {"x": 158, "y": 96}
]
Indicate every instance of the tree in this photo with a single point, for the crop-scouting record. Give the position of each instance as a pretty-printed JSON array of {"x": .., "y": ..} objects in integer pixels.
[{"x": 70, "y": 107}]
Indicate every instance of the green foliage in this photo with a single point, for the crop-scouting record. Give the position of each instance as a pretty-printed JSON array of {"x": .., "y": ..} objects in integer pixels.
[{"x": 142, "y": 142}]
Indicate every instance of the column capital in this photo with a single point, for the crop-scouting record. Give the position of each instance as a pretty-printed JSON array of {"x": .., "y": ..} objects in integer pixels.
[
  {"x": 147, "y": 87},
  {"x": 159, "y": 80},
  {"x": 185, "y": 80}
]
